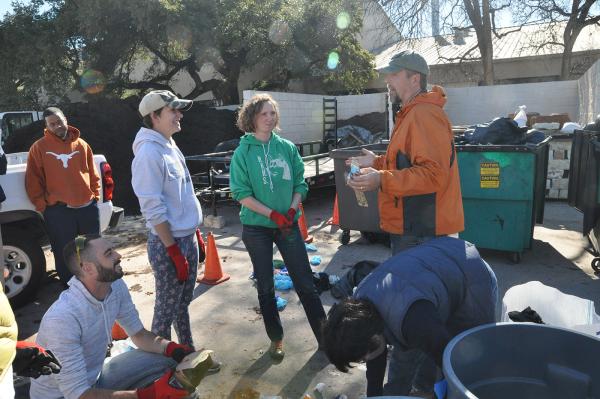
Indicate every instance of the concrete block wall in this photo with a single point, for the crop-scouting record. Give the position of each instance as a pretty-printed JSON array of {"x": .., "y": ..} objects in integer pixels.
[
  {"x": 589, "y": 94},
  {"x": 559, "y": 158},
  {"x": 477, "y": 104},
  {"x": 302, "y": 114}
]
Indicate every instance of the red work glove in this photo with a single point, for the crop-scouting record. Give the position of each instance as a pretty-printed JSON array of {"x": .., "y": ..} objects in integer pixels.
[
  {"x": 32, "y": 360},
  {"x": 201, "y": 247},
  {"x": 178, "y": 351},
  {"x": 291, "y": 215},
  {"x": 160, "y": 389},
  {"x": 282, "y": 221},
  {"x": 181, "y": 264}
]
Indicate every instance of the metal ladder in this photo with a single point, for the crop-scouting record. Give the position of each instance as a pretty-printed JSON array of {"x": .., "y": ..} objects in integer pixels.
[{"x": 330, "y": 120}]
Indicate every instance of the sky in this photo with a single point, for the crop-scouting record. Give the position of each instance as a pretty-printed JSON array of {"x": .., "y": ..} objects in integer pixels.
[{"x": 5, "y": 7}]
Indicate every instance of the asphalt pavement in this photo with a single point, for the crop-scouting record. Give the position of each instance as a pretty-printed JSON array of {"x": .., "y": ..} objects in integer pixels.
[{"x": 225, "y": 318}]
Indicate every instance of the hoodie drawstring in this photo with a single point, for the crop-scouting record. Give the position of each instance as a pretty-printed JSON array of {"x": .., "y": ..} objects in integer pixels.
[
  {"x": 108, "y": 331},
  {"x": 266, "y": 154}
]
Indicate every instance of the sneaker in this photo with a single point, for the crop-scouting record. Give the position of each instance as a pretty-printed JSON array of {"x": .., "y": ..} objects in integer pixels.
[
  {"x": 276, "y": 350},
  {"x": 192, "y": 369}
]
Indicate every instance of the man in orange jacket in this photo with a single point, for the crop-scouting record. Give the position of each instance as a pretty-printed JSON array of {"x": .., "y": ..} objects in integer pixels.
[
  {"x": 62, "y": 182},
  {"x": 418, "y": 182}
]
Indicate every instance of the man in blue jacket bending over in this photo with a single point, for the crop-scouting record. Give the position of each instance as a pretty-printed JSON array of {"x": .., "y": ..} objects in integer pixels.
[{"x": 418, "y": 299}]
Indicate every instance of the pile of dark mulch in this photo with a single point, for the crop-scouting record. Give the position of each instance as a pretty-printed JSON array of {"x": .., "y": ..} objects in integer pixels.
[
  {"x": 373, "y": 121},
  {"x": 110, "y": 126}
]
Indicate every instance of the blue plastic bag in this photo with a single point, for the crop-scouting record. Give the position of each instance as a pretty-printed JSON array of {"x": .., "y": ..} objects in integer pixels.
[
  {"x": 282, "y": 282},
  {"x": 281, "y": 302},
  {"x": 315, "y": 260},
  {"x": 441, "y": 389},
  {"x": 310, "y": 247}
]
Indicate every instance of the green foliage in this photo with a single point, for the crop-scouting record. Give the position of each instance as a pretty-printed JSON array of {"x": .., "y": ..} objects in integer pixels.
[
  {"x": 114, "y": 47},
  {"x": 26, "y": 58}
]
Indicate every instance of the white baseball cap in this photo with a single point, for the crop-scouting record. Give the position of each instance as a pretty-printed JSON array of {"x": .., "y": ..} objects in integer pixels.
[{"x": 157, "y": 99}]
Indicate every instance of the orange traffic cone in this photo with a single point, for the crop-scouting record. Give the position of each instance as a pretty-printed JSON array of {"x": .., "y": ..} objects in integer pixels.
[
  {"x": 213, "y": 274},
  {"x": 118, "y": 333},
  {"x": 335, "y": 219},
  {"x": 302, "y": 225}
]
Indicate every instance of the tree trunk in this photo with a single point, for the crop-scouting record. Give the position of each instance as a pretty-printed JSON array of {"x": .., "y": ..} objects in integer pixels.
[
  {"x": 231, "y": 95},
  {"x": 480, "y": 18},
  {"x": 231, "y": 70},
  {"x": 486, "y": 47},
  {"x": 565, "y": 66},
  {"x": 570, "y": 34}
]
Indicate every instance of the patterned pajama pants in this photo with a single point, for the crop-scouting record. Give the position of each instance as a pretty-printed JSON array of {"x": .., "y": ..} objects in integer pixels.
[{"x": 172, "y": 298}]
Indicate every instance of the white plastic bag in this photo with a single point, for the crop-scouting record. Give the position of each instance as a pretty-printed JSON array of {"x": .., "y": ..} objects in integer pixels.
[
  {"x": 554, "y": 307},
  {"x": 570, "y": 127},
  {"x": 521, "y": 116}
]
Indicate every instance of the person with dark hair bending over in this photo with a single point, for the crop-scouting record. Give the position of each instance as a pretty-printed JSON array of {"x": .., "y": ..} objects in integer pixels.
[
  {"x": 418, "y": 299},
  {"x": 267, "y": 179}
]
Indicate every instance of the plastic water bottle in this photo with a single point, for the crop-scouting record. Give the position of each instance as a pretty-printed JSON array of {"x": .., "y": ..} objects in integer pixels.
[{"x": 361, "y": 199}]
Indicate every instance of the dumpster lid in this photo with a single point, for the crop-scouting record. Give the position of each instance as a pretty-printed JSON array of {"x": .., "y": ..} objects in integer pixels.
[
  {"x": 344, "y": 153},
  {"x": 527, "y": 147}
]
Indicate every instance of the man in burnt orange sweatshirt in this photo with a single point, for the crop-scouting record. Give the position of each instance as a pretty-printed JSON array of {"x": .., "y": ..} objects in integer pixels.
[
  {"x": 62, "y": 182},
  {"x": 419, "y": 187}
]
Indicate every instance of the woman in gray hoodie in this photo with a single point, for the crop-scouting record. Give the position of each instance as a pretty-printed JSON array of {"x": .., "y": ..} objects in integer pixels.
[{"x": 164, "y": 189}]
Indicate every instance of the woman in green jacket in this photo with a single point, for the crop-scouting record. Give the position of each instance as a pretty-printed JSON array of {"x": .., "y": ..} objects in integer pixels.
[{"x": 267, "y": 179}]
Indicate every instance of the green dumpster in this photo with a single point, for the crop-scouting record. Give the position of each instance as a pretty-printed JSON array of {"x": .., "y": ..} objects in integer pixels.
[{"x": 503, "y": 192}]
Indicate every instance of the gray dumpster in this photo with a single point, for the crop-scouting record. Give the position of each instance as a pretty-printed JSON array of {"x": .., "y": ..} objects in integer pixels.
[{"x": 352, "y": 215}]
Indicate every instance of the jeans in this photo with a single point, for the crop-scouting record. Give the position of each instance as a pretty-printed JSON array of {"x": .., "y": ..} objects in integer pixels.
[
  {"x": 133, "y": 369},
  {"x": 409, "y": 368},
  {"x": 259, "y": 244},
  {"x": 63, "y": 225}
]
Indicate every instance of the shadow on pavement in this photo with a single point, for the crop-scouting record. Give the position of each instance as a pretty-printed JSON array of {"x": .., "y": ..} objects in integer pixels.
[
  {"x": 243, "y": 389},
  {"x": 299, "y": 384},
  {"x": 546, "y": 264},
  {"x": 29, "y": 316}
]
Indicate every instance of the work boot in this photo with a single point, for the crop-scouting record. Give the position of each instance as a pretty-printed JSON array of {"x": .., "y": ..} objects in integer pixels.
[
  {"x": 276, "y": 350},
  {"x": 192, "y": 369}
]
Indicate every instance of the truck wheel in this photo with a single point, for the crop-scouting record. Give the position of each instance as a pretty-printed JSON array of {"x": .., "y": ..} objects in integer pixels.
[
  {"x": 595, "y": 266},
  {"x": 26, "y": 266}
]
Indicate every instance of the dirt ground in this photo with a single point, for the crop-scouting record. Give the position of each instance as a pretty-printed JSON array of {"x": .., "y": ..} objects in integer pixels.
[{"x": 224, "y": 316}]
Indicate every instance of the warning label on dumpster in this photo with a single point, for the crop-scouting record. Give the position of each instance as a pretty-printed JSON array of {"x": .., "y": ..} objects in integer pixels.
[{"x": 490, "y": 174}]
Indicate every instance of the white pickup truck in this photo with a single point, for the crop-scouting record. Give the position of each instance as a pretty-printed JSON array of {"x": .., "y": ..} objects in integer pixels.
[{"x": 23, "y": 231}]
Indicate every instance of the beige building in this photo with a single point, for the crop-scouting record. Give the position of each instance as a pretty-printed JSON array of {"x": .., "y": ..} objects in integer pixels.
[{"x": 518, "y": 55}]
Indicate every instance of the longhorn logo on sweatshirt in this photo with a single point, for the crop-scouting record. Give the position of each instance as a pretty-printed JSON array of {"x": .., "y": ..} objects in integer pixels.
[
  {"x": 280, "y": 163},
  {"x": 63, "y": 157}
]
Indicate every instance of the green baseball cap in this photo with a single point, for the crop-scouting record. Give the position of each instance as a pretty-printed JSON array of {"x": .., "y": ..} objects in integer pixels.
[{"x": 406, "y": 59}]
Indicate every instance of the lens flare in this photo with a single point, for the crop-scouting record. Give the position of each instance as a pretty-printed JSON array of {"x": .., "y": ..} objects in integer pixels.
[
  {"x": 333, "y": 60},
  {"x": 279, "y": 32},
  {"x": 92, "y": 81},
  {"x": 343, "y": 20}
]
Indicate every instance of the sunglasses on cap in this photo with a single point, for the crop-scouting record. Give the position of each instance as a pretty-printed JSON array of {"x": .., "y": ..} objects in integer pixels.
[{"x": 80, "y": 246}]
